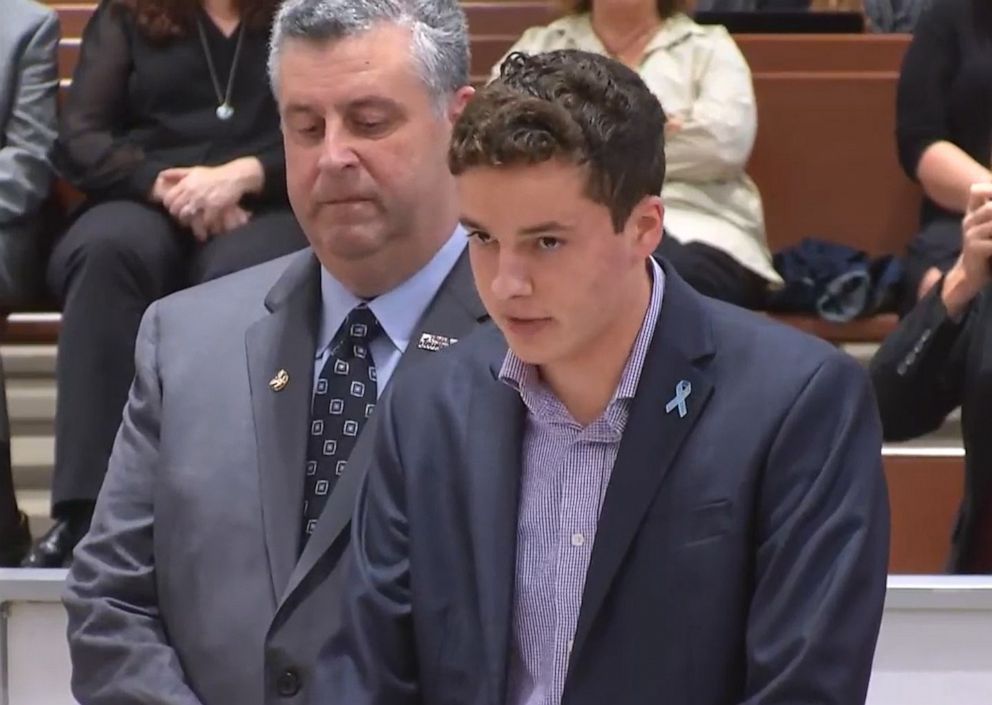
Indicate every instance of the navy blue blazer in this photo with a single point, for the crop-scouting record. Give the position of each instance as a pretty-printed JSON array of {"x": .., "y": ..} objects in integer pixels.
[{"x": 740, "y": 555}]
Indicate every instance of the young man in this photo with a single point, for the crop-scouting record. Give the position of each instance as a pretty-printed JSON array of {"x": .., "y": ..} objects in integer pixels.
[{"x": 650, "y": 497}]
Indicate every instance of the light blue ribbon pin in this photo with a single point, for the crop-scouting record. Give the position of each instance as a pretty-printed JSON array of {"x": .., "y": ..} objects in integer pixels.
[{"x": 682, "y": 391}]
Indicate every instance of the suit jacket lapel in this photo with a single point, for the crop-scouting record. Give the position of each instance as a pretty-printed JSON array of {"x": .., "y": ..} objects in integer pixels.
[
  {"x": 284, "y": 340},
  {"x": 455, "y": 311},
  {"x": 651, "y": 440}
]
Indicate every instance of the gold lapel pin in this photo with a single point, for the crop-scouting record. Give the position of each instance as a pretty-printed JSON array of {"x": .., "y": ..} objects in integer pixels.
[{"x": 279, "y": 382}]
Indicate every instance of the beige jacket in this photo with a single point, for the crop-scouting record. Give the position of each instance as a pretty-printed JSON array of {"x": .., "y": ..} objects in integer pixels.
[{"x": 702, "y": 79}]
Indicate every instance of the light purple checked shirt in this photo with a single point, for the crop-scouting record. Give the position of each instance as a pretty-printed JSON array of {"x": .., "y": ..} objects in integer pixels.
[{"x": 566, "y": 470}]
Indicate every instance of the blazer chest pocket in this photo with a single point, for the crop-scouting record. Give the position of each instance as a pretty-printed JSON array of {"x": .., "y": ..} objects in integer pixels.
[{"x": 709, "y": 521}]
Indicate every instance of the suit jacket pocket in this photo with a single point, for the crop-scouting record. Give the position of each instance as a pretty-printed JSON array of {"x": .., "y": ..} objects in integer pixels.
[{"x": 710, "y": 521}]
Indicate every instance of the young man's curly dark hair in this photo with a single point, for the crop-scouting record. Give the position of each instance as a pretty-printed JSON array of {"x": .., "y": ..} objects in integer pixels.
[
  {"x": 162, "y": 20},
  {"x": 579, "y": 107}
]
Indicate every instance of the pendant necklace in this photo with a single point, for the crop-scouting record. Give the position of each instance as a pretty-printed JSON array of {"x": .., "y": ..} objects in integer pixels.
[{"x": 225, "y": 111}]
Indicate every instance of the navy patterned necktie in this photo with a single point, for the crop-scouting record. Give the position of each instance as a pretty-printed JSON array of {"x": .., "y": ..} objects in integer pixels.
[{"x": 343, "y": 400}]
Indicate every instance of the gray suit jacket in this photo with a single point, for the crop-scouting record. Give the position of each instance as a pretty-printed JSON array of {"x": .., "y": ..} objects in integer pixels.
[
  {"x": 188, "y": 588},
  {"x": 29, "y": 36}
]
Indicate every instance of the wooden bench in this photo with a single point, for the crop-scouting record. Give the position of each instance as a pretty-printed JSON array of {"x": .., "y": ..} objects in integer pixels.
[
  {"x": 824, "y": 158},
  {"x": 925, "y": 490}
]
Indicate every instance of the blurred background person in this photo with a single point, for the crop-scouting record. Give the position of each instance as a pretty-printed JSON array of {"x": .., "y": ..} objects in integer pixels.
[
  {"x": 943, "y": 114},
  {"x": 713, "y": 214},
  {"x": 29, "y": 82},
  {"x": 29, "y": 38},
  {"x": 171, "y": 132}
]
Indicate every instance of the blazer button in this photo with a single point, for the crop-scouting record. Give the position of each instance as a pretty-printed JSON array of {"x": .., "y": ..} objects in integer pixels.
[{"x": 288, "y": 683}]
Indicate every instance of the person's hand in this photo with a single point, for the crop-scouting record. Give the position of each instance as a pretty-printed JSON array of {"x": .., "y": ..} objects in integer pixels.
[
  {"x": 927, "y": 282},
  {"x": 673, "y": 125},
  {"x": 199, "y": 190},
  {"x": 210, "y": 223},
  {"x": 164, "y": 183},
  {"x": 973, "y": 270}
]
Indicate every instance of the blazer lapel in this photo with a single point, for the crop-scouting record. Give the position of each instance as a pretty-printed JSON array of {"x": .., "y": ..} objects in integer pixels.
[
  {"x": 493, "y": 496},
  {"x": 285, "y": 341},
  {"x": 652, "y": 438},
  {"x": 455, "y": 311}
]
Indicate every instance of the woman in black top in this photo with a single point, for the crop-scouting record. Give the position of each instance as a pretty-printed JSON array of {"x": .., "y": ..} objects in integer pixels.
[
  {"x": 944, "y": 128},
  {"x": 171, "y": 132}
]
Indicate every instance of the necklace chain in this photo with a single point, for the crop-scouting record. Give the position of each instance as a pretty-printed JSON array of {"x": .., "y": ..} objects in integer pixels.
[{"x": 223, "y": 99}]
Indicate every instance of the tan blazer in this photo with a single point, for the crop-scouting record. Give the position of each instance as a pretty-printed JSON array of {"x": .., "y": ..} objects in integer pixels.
[{"x": 702, "y": 79}]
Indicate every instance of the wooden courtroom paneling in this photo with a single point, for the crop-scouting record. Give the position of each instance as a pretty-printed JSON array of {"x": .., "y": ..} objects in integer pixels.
[
  {"x": 823, "y": 52},
  {"x": 507, "y": 18},
  {"x": 825, "y": 160},
  {"x": 73, "y": 17},
  {"x": 68, "y": 56},
  {"x": 924, "y": 494}
]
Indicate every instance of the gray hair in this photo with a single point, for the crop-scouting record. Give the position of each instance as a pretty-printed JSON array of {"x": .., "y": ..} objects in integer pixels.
[{"x": 439, "y": 29}]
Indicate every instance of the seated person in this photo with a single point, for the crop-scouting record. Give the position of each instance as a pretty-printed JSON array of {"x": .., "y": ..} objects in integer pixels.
[
  {"x": 29, "y": 39},
  {"x": 171, "y": 131},
  {"x": 713, "y": 213},
  {"x": 29, "y": 83},
  {"x": 942, "y": 129},
  {"x": 628, "y": 493},
  {"x": 939, "y": 359}
]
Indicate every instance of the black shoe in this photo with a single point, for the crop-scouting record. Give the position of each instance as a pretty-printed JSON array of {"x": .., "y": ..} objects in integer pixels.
[
  {"x": 54, "y": 549},
  {"x": 15, "y": 544}
]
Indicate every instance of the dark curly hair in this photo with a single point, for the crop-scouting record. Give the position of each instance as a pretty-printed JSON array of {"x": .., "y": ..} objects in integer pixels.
[
  {"x": 580, "y": 107},
  {"x": 162, "y": 20},
  {"x": 666, "y": 8}
]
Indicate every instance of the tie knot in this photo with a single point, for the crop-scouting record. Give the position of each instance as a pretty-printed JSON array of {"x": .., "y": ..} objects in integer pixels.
[{"x": 361, "y": 325}]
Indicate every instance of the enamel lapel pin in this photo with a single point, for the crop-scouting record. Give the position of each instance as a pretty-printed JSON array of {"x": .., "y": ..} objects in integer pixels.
[{"x": 433, "y": 342}]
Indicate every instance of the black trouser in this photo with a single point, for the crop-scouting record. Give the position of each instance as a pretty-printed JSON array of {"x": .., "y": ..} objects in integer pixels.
[
  {"x": 938, "y": 244},
  {"x": 9, "y": 515},
  {"x": 114, "y": 260},
  {"x": 714, "y": 273}
]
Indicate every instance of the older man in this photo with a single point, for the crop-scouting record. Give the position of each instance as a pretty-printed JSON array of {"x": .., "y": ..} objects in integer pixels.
[{"x": 210, "y": 573}]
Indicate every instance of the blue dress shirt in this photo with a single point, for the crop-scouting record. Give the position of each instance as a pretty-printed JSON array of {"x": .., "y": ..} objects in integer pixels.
[{"x": 398, "y": 310}]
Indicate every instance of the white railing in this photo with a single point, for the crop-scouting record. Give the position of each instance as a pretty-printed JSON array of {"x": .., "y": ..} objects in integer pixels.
[
  {"x": 935, "y": 647},
  {"x": 34, "y": 659}
]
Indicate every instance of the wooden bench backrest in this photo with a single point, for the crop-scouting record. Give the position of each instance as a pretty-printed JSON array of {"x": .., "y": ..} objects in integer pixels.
[{"x": 825, "y": 157}]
